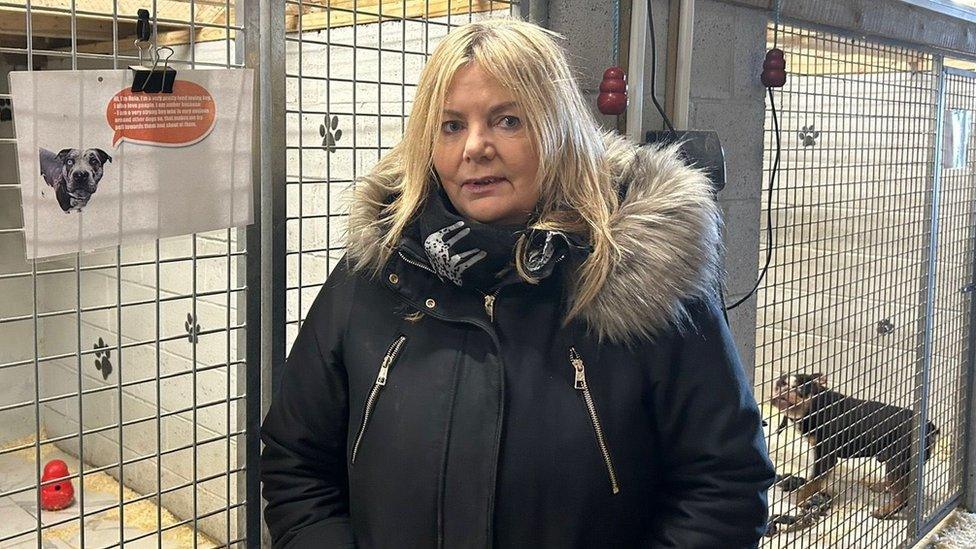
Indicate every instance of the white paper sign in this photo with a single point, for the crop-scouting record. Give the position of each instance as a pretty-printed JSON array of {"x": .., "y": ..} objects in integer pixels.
[
  {"x": 956, "y": 134},
  {"x": 102, "y": 166}
]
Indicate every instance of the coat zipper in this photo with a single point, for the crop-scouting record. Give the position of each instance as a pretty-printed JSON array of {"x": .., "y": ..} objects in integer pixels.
[
  {"x": 489, "y": 298},
  {"x": 580, "y": 383},
  {"x": 374, "y": 394},
  {"x": 414, "y": 262}
]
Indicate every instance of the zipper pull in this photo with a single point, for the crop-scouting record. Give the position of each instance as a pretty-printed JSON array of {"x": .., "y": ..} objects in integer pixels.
[
  {"x": 490, "y": 306},
  {"x": 577, "y": 363},
  {"x": 391, "y": 355},
  {"x": 384, "y": 369}
]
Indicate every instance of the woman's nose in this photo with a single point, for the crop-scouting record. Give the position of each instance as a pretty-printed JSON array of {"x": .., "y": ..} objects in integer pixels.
[{"x": 478, "y": 145}]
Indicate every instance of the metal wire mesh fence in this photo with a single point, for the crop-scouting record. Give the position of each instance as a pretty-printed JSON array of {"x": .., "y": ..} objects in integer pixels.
[
  {"x": 951, "y": 302},
  {"x": 351, "y": 71},
  {"x": 126, "y": 364},
  {"x": 863, "y": 335},
  {"x": 129, "y": 364}
]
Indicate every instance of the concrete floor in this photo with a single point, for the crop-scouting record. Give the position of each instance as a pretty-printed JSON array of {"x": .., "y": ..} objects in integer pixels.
[{"x": 102, "y": 528}]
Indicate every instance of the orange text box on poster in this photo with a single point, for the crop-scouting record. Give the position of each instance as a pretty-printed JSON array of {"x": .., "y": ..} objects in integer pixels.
[{"x": 176, "y": 119}]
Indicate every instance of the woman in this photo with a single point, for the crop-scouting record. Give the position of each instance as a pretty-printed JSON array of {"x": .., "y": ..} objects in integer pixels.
[{"x": 522, "y": 346}]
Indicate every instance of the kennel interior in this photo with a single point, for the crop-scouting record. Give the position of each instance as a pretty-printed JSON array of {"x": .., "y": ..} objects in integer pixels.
[
  {"x": 127, "y": 363},
  {"x": 871, "y": 274}
]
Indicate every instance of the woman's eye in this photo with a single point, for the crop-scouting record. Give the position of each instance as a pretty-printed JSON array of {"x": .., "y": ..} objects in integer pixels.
[
  {"x": 449, "y": 126},
  {"x": 515, "y": 122}
]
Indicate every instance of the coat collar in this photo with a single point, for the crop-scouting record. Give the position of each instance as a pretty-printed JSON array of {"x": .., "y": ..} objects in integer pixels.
[{"x": 668, "y": 229}]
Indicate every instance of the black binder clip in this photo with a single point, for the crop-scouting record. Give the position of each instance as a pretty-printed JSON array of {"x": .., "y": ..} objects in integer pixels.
[{"x": 154, "y": 79}]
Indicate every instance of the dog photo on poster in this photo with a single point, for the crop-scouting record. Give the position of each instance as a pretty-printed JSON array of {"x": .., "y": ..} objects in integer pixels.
[{"x": 101, "y": 165}]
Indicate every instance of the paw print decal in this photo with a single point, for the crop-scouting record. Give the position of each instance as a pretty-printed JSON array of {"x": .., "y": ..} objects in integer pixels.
[
  {"x": 330, "y": 133},
  {"x": 886, "y": 326},
  {"x": 102, "y": 355},
  {"x": 192, "y": 328},
  {"x": 808, "y": 136}
]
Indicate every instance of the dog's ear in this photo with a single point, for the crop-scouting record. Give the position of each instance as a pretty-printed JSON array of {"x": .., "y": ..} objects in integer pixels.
[
  {"x": 64, "y": 154},
  {"x": 103, "y": 156}
]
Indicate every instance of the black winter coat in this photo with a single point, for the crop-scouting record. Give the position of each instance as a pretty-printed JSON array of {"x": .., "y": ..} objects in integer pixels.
[{"x": 632, "y": 426}]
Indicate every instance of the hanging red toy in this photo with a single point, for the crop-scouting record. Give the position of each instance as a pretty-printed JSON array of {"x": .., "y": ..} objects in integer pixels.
[
  {"x": 60, "y": 494},
  {"x": 613, "y": 92},
  {"x": 774, "y": 69}
]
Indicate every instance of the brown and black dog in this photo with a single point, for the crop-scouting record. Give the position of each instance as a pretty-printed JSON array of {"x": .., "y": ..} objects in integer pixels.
[{"x": 839, "y": 426}]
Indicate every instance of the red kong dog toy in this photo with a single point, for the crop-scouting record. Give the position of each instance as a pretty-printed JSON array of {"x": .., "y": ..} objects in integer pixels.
[
  {"x": 58, "y": 495},
  {"x": 613, "y": 92}
]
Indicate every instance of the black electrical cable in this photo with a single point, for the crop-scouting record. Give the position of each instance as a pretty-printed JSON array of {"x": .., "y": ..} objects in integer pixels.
[
  {"x": 769, "y": 205},
  {"x": 650, "y": 23},
  {"x": 772, "y": 175},
  {"x": 772, "y": 179}
]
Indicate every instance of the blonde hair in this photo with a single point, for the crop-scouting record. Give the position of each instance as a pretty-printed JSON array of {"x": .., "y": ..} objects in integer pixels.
[{"x": 577, "y": 195}]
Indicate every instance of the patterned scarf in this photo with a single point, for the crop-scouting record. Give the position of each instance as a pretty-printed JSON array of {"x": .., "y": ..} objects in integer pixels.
[{"x": 481, "y": 256}]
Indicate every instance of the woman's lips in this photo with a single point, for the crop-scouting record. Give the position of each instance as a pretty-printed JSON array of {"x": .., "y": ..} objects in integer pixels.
[{"x": 483, "y": 188}]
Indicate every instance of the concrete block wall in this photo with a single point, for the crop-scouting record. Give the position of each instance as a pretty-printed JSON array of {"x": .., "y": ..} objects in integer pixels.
[
  {"x": 726, "y": 96},
  {"x": 138, "y": 403},
  {"x": 588, "y": 28}
]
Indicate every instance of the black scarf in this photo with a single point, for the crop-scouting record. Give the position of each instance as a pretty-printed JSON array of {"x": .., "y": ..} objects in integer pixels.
[{"x": 481, "y": 256}]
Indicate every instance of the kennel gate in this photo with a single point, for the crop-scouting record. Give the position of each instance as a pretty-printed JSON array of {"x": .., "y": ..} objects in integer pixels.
[
  {"x": 129, "y": 363},
  {"x": 872, "y": 269}
]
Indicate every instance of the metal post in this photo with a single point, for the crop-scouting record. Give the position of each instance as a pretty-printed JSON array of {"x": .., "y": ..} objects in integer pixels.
[
  {"x": 969, "y": 419},
  {"x": 265, "y": 53},
  {"x": 928, "y": 304},
  {"x": 635, "y": 68}
]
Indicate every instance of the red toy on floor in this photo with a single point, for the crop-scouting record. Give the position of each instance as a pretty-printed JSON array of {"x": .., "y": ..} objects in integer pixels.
[{"x": 57, "y": 495}]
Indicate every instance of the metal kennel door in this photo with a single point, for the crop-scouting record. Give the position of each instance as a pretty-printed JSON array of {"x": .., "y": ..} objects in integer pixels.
[
  {"x": 948, "y": 366},
  {"x": 128, "y": 363},
  {"x": 871, "y": 272}
]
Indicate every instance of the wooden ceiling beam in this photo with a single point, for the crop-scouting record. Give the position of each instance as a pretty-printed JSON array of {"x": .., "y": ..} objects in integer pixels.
[
  {"x": 13, "y": 22},
  {"x": 170, "y": 38},
  {"x": 96, "y": 31},
  {"x": 368, "y": 12}
]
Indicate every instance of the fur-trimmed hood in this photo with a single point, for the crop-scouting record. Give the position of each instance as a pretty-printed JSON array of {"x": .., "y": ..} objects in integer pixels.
[{"x": 668, "y": 229}]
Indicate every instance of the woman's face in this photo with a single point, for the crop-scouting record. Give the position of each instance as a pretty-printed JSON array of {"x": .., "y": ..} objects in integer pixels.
[{"x": 483, "y": 154}]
